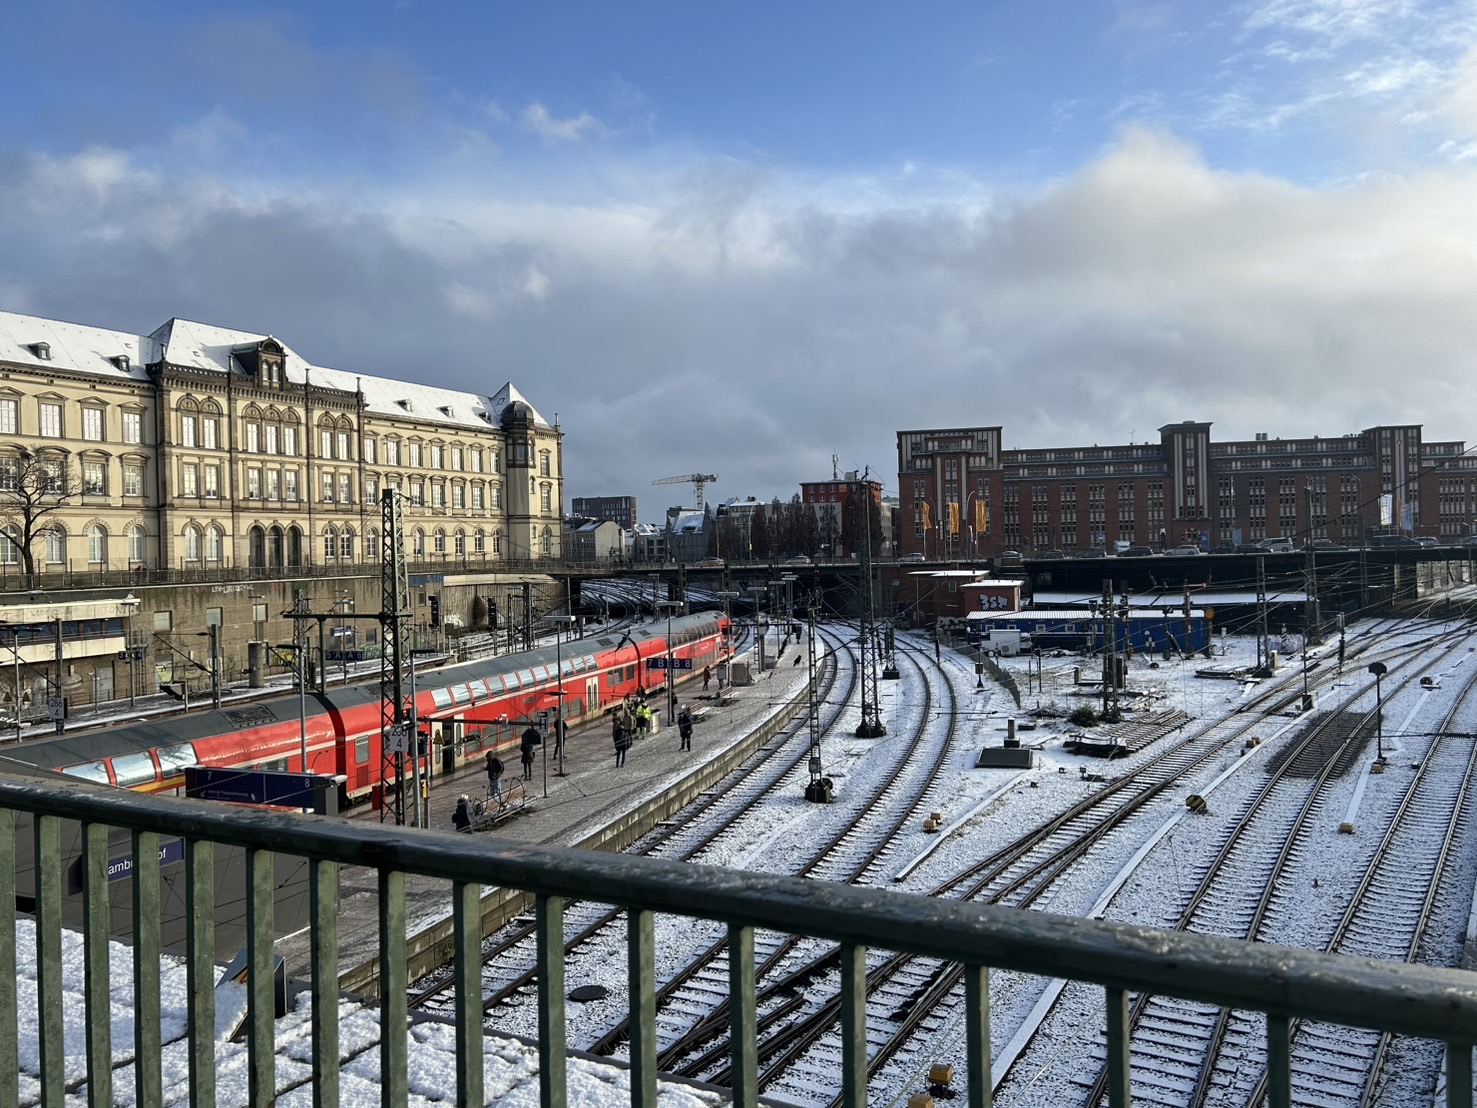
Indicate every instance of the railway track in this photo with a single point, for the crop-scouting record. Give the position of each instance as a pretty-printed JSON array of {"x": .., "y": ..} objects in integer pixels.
[{"x": 509, "y": 959}]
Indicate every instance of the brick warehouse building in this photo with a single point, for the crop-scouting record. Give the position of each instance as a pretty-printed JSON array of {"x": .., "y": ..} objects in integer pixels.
[{"x": 962, "y": 495}]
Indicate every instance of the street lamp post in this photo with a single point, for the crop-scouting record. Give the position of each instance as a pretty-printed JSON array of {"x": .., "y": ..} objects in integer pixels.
[
  {"x": 212, "y": 632},
  {"x": 559, "y": 622},
  {"x": 1379, "y": 670}
]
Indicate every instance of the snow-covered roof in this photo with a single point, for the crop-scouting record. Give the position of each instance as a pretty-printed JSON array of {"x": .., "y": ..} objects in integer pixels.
[
  {"x": 1070, "y": 615},
  {"x": 1172, "y": 598},
  {"x": 72, "y": 346},
  {"x": 191, "y": 345},
  {"x": 688, "y": 520},
  {"x": 203, "y": 346},
  {"x": 996, "y": 583}
]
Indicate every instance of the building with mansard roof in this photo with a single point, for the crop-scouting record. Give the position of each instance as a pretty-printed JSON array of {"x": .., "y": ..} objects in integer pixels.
[{"x": 197, "y": 447}]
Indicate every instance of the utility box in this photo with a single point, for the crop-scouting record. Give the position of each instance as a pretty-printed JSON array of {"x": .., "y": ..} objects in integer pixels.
[
  {"x": 739, "y": 675},
  {"x": 256, "y": 655}
]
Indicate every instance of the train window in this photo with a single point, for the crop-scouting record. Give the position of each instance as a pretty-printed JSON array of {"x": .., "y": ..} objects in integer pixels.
[
  {"x": 511, "y": 680},
  {"x": 173, "y": 759},
  {"x": 612, "y": 679},
  {"x": 540, "y": 674},
  {"x": 134, "y": 769},
  {"x": 525, "y": 678},
  {"x": 441, "y": 698},
  {"x": 92, "y": 771},
  {"x": 459, "y": 694},
  {"x": 361, "y": 751}
]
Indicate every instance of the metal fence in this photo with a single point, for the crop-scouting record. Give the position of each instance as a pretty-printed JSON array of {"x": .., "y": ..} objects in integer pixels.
[{"x": 1285, "y": 984}]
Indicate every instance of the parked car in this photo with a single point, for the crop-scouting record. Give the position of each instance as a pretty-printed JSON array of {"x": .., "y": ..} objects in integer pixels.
[
  {"x": 710, "y": 563},
  {"x": 798, "y": 560},
  {"x": 1184, "y": 551},
  {"x": 1276, "y": 546},
  {"x": 1137, "y": 552},
  {"x": 1093, "y": 553},
  {"x": 1008, "y": 558},
  {"x": 1326, "y": 544},
  {"x": 1050, "y": 556},
  {"x": 912, "y": 559}
]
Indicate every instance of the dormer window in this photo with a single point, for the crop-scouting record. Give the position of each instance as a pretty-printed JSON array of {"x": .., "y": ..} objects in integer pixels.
[
  {"x": 41, "y": 350},
  {"x": 404, "y": 404},
  {"x": 121, "y": 361},
  {"x": 445, "y": 410}
]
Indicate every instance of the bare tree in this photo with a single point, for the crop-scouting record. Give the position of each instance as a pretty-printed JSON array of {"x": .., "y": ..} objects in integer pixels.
[{"x": 34, "y": 486}]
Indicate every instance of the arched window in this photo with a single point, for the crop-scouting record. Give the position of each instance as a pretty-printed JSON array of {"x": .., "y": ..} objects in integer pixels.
[
  {"x": 440, "y": 539},
  {"x": 192, "y": 543},
  {"x": 189, "y": 422},
  {"x": 215, "y": 542},
  {"x": 10, "y": 546},
  {"x": 56, "y": 545},
  {"x": 418, "y": 543},
  {"x": 548, "y": 542},
  {"x": 459, "y": 543},
  {"x": 97, "y": 544},
  {"x": 346, "y": 544},
  {"x": 136, "y": 544},
  {"x": 290, "y": 424},
  {"x": 330, "y": 545},
  {"x": 497, "y": 542},
  {"x": 256, "y": 543},
  {"x": 372, "y": 546},
  {"x": 252, "y": 420},
  {"x": 479, "y": 542},
  {"x": 210, "y": 415}
]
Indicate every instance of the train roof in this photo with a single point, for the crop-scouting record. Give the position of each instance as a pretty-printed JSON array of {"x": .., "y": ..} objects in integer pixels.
[{"x": 165, "y": 731}]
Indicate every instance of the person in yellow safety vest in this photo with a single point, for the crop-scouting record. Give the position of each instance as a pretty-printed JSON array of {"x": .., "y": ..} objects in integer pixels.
[{"x": 643, "y": 719}]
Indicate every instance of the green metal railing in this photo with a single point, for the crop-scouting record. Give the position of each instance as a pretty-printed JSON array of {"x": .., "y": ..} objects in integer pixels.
[{"x": 1285, "y": 984}]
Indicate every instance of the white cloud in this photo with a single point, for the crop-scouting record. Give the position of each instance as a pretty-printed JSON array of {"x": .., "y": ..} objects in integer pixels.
[
  {"x": 551, "y": 129},
  {"x": 749, "y": 321}
]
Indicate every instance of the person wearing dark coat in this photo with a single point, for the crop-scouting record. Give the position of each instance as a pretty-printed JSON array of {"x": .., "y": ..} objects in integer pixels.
[
  {"x": 622, "y": 736},
  {"x": 461, "y": 819},
  {"x": 531, "y": 740},
  {"x": 494, "y": 775},
  {"x": 684, "y": 728}
]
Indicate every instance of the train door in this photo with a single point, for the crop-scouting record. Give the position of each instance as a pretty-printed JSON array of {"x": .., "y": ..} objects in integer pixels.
[{"x": 592, "y": 696}]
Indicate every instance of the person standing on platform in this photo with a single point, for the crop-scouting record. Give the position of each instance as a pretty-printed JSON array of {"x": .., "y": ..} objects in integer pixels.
[
  {"x": 531, "y": 740},
  {"x": 622, "y": 742},
  {"x": 707, "y": 676},
  {"x": 684, "y": 727},
  {"x": 494, "y": 775},
  {"x": 461, "y": 819},
  {"x": 560, "y": 730}
]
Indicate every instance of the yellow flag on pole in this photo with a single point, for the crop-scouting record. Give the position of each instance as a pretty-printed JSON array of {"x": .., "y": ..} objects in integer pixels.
[{"x": 981, "y": 517}]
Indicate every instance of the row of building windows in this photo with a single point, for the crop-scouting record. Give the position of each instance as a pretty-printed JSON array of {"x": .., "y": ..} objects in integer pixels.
[{"x": 51, "y": 421}]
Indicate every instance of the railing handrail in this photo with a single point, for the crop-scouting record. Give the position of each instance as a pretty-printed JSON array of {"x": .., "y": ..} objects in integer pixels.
[{"x": 1424, "y": 1001}]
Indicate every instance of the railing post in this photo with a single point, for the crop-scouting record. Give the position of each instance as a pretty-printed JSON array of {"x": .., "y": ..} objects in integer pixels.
[
  {"x": 641, "y": 966},
  {"x": 9, "y": 1017},
  {"x": 97, "y": 980},
  {"x": 323, "y": 907},
  {"x": 742, "y": 1026},
  {"x": 553, "y": 1059},
  {"x": 47, "y": 874},
  {"x": 977, "y": 1036},
  {"x": 1279, "y": 1062},
  {"x": 1458, "y": 1075},
  {"x": 147, "y": 1076},
  {"x": 1118, "y": 1049},
  {"x": 466, "y": 906},
  {"x": 200, "y": 970},
  {"x": 394, "y": 998},
  {"x": 853, "y": 1026},
  {"x": 261, "y": 992}
]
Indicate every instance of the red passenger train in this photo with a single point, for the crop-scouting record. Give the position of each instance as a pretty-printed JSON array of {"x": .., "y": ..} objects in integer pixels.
[{"x": 469, "y": 708}]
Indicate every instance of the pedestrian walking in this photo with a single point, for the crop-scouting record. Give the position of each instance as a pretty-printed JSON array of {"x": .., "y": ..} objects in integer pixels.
[
  {"x": 461, "y": 819},
  {"x": 707, "y": 676},
  {"x": 494, "y": 775},
  {"x": 622, "y": 743},
  {"x": 560, "y": 730},
  {"x": 684, "y": 728}
]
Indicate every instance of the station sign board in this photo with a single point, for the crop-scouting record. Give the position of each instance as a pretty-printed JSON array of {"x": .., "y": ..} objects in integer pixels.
[
  {"x": 675, "y": 663},
  {"x": 285, "y": 790}
]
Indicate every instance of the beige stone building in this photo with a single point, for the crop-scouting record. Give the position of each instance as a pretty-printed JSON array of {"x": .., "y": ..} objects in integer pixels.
[{"x": 199, "y": 449}]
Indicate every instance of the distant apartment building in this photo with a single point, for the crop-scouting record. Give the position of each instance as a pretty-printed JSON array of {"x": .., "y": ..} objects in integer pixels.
[
  {"x": 621, "y": 509},
  {"x": 832, "y": 502},
  {"x": 962, "y": 495}
]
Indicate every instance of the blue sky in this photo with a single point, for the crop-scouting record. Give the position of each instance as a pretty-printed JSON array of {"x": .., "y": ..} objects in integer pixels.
[{"x": 743, "y": 238}]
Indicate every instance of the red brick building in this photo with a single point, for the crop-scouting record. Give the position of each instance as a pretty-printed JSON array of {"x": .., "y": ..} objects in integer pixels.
[
  {"x": 831, "y": 503},
  {"x": 962, "y": 495}
]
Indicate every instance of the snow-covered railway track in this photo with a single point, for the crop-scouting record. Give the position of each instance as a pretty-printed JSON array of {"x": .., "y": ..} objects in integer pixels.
[{"x": 509, "y": 960}]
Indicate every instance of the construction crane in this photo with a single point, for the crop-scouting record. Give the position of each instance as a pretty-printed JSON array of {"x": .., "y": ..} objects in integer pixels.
[{"x": 698, "y": 481}]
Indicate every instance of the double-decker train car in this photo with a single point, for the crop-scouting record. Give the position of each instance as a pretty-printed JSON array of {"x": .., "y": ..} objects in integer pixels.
[{"x": 463, "y": 710}]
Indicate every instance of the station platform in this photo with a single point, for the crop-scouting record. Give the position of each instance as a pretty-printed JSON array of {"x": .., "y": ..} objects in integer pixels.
[{"x": 579, "y": 808}]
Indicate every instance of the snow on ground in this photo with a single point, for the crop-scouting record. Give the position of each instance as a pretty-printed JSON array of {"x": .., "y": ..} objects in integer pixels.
[{"x": 982, "y": 808}]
